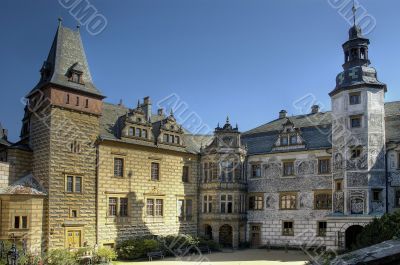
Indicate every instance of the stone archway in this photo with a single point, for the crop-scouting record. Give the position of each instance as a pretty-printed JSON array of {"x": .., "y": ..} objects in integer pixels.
[
  {"x": 208, "y": 231},
  {"x": 351, "y": 235},
  {"x": 226, "y": 235}
]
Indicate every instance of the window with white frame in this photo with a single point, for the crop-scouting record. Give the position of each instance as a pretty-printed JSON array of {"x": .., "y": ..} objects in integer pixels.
[
  {"x": 226, "y": 205},
  {"x": 207, "y": 204}
]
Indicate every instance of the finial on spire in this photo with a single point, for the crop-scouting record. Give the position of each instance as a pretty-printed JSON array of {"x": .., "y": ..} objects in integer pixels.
[
  {"x": 227, "y": 119},
  {"x": 78, "y": 27},
  {"x": 59, "y": 21},
  {"x": 138, "y": 103},
  {"x": 354, "y": 9},
  {"x": 171, "y": 113}
]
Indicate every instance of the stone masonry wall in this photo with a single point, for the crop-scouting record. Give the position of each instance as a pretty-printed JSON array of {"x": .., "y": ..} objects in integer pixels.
[
  {"x": 137, "y": 186},
  {"x": 4, "y": 174},
  {"x": 72, "y": 153},
  {"x": 304, "y": 184}
]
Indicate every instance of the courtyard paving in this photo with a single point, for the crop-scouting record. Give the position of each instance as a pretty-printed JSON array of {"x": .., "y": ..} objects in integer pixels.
[{"x": 238, "y": 257}]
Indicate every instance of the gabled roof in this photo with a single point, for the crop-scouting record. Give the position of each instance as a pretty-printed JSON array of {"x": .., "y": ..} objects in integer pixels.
[
  {"x": 111, "y": 125},
  {"x": 315, "y": 130},
  {"x": 27, "y": 185},
  {"x": 66, "y": 54}
]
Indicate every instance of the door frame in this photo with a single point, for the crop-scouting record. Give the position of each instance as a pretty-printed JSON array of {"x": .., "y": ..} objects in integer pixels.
[
  {"x": 74, "y": 229},
  {"x": 259, "y": 233}
]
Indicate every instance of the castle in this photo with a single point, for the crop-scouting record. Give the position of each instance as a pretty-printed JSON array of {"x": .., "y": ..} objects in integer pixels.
[{"x": 87, "y": 172}]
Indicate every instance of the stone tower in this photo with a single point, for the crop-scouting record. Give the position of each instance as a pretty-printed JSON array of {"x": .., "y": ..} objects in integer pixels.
[
  {"x": 61, "y": 125},
  {"x": 358, "y": 134},
  {"x": 223, "y": 188}
]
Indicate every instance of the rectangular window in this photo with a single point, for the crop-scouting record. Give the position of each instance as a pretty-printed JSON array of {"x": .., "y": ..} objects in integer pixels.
[
  {"x": 150, "y": 207},
  {"x": 138, "y": 132},
  {"x": 17, "y": 222},
  {"x": 184, "y": 210},
  {"x": 355, "y": 121},
  {"x": 166, "y": 138},
  {"x": 118, "y": 167},
  {"x": 376, "y": 195},
  {"x": 112, "y": 206},
  {"x": 355, "y": 98},
  {"x": 322, "y": 228},
  {"x": 338, "y": 185},
  {"x": 70, "y": 184},
  {"x": 356, "y": 152},
  {"x": 284, "y": 140},
  {"x": 397, "y": 199},
  {"x": 78, "y": 184},
  {"x": 205, "y": 172},
  {"x": 185, "y": 174},
  {"x": 288, "y": 168},
  {"x": 155, "y": 171},
  {"x": 287, "y": 228},
  {"x": 293, "y": 139},
  {"x": 324, "y": 166},
  {"x": 159, "y": 207},
  {"x": 256, "y": 202},
  {"x": 177, "y": 140},
  {"x": 207, "y": 204},
  {"x": 288, "y": 201},
  {"x": 87, "y": 103},
  {"x": 256, "y": 171},
  {"x": 144, "y": 133},
  {"x": 123, "y": 207},
  {"x": 21, "y": 222},
  {"x": 67, "y": 101},
  {"x": 73, "y": 213},
  {"x": 323, "y": 201},
  {"x": 131, "y": 131},
  {"x": 77, "y": 101},
  {"x": 73, "y": 184},
  {"x": 226, "y": 203}
]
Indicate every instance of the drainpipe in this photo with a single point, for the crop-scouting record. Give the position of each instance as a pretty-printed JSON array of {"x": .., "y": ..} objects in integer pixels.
[{"x": 387, "y": 181}]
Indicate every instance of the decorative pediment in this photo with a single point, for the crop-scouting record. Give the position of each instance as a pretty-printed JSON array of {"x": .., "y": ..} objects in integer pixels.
[
  {"x": 289, "y": 138},
  {"x": 135, "y": 125},
  {"x": 170, "y": 132}
]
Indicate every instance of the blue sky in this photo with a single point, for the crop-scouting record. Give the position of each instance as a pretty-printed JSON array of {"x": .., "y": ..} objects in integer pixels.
[{"x": 244, "y": 58}]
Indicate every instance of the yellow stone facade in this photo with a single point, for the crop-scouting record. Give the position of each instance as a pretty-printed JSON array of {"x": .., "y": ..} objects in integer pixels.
[{"x": 137, "y": 186}]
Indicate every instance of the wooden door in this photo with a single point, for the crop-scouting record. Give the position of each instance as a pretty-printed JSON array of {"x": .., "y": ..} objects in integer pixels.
[
  {"x": 74, "y": 238},
  {"x": 255, "y": 235}
]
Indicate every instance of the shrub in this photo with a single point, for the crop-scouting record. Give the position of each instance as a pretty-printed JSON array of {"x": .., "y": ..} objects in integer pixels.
[
  {"x": 379, "y": 230},
  {"x": 60, "y": 257},
  {"x": 136, "y": 248},
  {"x": 104, "y": 254},
  {"x": 210, "y": 243}
]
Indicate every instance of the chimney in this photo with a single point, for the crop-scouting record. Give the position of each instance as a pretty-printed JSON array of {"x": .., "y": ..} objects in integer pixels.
[
  {"x": 314, "y": 109},
  {"x": 4, "y": 134},
  {"x": 146, "y": 106},
  {"x": 282, "y": 114},
  {"x": 160, "y": 112}
]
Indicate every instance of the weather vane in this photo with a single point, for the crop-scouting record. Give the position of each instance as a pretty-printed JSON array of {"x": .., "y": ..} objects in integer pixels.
[{"x": 354, "y": 9}]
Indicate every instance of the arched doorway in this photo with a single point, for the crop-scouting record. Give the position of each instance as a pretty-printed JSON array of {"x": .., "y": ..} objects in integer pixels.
[
  {"x": 208, "y": 231},
  {"x": 225, "y": 235},
  {"x": 351, "y": 235}
]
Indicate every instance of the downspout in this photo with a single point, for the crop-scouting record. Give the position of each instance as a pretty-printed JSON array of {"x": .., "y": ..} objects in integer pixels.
[
  {"x": 387, "y": 181},
  {"x": 97, "y": 192}
]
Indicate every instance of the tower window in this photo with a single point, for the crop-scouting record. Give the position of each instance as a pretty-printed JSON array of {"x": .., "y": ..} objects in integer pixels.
[
  {"x": 356, "y": 152},
  {"x": 355, "y": 121},
  {"x": 87, "y": 103},
  {"x": 355, "y": 98},
  {"x": 76, "y": 77},
  {"x": 77, "y": 101},
  {"x": 67, "y": 101},
  {"x": 118, "y": 167}
]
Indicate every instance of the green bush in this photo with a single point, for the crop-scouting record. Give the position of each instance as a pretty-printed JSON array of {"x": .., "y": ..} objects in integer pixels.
[
  {"x": 385, "y": 228},
  {"x": 136, "y": 248},
  {"x": 60, "y": 257},
  {"x": 212, "y": 245},
  {"x": 104, "y": 254}
]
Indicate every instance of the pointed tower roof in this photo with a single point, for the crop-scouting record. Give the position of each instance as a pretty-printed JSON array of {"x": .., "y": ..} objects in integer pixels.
[{"x": 67, "y": 54}]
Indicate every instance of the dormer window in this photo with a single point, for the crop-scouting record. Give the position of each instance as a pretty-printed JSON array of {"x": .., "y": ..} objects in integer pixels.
[
  {"x": 284, "y": 140},
  {"x": 76, "y": 77},
  {"x": 293, "y": 139}
]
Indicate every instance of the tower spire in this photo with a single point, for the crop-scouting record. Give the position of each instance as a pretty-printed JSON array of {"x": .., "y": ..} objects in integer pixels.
[{"x": 354, "y": 9}]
